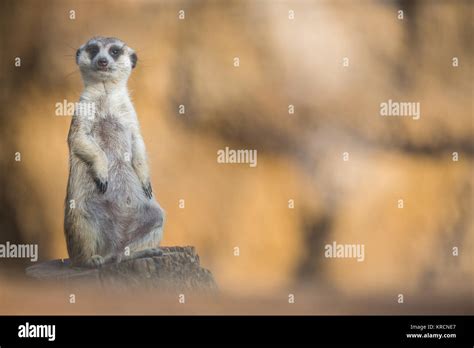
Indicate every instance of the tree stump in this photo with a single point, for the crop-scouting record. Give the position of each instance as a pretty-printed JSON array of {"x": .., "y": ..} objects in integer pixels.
[{"x": 177, "y": 269}]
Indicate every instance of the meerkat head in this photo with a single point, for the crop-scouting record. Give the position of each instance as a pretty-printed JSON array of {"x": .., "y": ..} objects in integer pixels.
[{"x": 104, "y": 59}]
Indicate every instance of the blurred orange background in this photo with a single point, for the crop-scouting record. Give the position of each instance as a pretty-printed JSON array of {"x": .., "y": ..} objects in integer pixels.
[{"x": 282, "y": 62}]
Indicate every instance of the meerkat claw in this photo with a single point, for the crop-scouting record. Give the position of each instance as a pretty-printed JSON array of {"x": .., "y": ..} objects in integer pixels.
[
  {"x": 148, "y": 191},
  {"x": 101, "y": 185},
  {"x": 96, "y": 261}
]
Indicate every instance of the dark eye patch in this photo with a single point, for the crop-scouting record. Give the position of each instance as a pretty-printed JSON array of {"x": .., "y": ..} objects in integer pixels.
[
  {"x": 115, "y": 52},
  {"x": 92, "y": 50}
]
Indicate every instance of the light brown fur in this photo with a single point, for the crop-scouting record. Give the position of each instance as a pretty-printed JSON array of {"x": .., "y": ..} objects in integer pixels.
[{"x": 110, "y": 212}]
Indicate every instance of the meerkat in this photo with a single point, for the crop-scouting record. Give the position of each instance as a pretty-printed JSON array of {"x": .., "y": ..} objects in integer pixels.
[{"x": 110, "y": 211}]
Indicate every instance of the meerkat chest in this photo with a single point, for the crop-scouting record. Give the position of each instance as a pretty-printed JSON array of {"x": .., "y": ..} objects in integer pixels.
[
  {"x": 117, "y": 105},
  {"x": 112, "y": 128}
]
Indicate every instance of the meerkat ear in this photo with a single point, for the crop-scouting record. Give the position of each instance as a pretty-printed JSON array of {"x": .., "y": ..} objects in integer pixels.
[
  {"x": 134, "y": 59},
  {"x": 78, "y": 52}
]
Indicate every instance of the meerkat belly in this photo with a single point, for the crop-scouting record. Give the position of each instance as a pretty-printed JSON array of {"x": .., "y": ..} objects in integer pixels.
[
  {"x": 124, "y": 198},
  {"x": 115, "y": 139}
]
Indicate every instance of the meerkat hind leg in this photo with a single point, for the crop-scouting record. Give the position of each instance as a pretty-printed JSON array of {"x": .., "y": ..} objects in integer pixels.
[{"x": 147, "y": 244}]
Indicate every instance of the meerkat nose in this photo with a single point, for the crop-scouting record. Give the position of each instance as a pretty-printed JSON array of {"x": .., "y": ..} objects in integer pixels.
[{"x": 102, "y": 62}]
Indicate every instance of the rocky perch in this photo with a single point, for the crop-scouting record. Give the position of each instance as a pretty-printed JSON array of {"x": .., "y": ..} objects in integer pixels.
[{"x": 177, "y": 269}]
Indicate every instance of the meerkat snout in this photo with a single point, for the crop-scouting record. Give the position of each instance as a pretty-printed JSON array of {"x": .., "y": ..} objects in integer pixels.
[{"x": 105, "y": 59}]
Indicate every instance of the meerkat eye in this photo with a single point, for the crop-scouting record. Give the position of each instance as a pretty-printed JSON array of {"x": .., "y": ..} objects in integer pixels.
[{"x": 115, "y": 51}]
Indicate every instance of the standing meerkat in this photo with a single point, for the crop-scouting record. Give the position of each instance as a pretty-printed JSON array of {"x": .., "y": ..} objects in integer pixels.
[{"x": 110, "y": 211}]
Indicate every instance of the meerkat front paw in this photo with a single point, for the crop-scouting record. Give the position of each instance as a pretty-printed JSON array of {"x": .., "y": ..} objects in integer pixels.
[
  {"x": 101, "y": 174},
  {"x": 148, "y": 190},
  {"x": 101, "y": 185}
]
